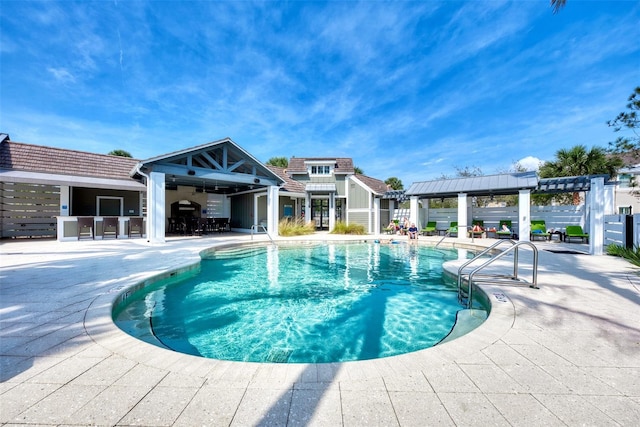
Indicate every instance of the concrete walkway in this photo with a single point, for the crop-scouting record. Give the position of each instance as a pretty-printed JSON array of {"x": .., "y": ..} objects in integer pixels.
[{"x": 565, "y": 354}]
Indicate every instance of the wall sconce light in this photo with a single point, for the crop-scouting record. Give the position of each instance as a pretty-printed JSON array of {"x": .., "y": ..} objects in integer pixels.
[
  {"x": 256, "y": 180},
  {"x": 191, "y": 172}
]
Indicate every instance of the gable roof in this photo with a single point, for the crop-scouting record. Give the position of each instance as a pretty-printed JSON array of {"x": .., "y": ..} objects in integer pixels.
[
  {"x": 37, "y": 158},
  {"x": 290, "y": 185},
  {"x": 222, "y": 161},
  {"x": 342, "y": 165},
  {"x": 377, "y": 186}
]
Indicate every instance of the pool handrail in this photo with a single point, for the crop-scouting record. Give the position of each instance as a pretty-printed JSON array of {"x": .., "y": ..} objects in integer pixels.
[
  {"x": 256, "y": 226},
  {"x": 514, "y": 278}
]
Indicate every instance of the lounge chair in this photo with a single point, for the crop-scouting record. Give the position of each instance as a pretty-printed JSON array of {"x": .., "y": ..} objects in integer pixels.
[
  {"x": 110, "y": 227},
  {"x": 429, "y": 229},
  {"x": 575, "y": 232},
  {"x": 453, "y": 229},
  {"x": 479, "y": 223},
  {"x": 539, "y": 230},
  {"x": 504, "y": 234}
]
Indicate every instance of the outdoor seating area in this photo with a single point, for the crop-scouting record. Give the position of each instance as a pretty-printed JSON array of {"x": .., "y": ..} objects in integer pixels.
[{"x": 194, "y": 226}]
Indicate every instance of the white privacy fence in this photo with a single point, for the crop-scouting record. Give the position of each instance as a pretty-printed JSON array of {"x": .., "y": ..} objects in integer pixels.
[{"x": 556, "y": 217}]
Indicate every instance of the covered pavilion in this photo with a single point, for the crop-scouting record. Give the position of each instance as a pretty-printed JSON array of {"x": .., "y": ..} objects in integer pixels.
[
  {"x": 216, "y": 167},
  {"x": 599, "y": 200}
]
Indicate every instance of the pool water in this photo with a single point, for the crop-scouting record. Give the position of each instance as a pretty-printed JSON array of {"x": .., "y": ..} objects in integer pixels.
[{"x": 310, "y": 303}]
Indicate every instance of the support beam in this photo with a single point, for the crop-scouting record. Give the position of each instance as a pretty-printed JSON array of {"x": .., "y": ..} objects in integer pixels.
[
  {"x": 413, "y": 211},
  {"x": 462, "y": 215},
  {"x": 332, "y": 211},
  {"x": 65, "y": 200},
  {"x": 524, "y": 215},
  {"x": 156, "y": 208},
  {"x": 376, "y": 216},
  {"x": 596, "y": 203},
  {"x": 273, "y": 211}
]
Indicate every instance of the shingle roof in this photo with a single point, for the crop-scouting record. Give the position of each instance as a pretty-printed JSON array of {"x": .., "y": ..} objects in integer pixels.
[
  {"x": 290, "y": 185},
  {"x": 377, "y": 186},
  {"x": 37, "y": 158},
  {"x": 343, "y": 165}
]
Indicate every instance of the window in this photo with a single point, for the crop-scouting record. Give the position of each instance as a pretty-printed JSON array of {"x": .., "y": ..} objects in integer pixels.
[
  {"x": 109, "y": 206},
  {"x": 626, "y": 181},
  {"x": 320, "y": 170}
]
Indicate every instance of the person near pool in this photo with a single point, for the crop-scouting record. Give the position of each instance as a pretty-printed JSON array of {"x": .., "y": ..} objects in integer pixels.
[{"x": 413, "y": 231}]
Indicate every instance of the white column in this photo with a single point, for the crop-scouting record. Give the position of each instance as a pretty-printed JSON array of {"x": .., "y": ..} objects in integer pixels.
[
  {"x": 462, "y": 215},
  {"x": 307, "y": 207},
  {"x": 610, "y": 200},
  {"x": 332, "y": 211},
  {"x": 155, "y": 208},
  {"x": 65, "y": 200},
  {"x": 376, "y": 216},
  {"x": 273, "y": 210},
  {"x": 524, "y": 215},
  {"x": 413, "y": 210},
  {"x": 596, "y": 201},
  {"x": 256, "y": 220}
]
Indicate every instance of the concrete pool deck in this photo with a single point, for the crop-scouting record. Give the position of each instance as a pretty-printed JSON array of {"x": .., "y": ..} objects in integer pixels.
[{"x": 565, "y": 354}]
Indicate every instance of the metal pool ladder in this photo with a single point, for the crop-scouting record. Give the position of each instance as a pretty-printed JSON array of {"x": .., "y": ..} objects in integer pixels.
[{"x": 474, "y": 276}]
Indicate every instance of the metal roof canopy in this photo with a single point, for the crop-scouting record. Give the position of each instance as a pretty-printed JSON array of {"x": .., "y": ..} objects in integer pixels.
[
  {"x": 567, "y": 184},
  {"x": 321, "y": 188},
  {"x": 502, "y": 184}
]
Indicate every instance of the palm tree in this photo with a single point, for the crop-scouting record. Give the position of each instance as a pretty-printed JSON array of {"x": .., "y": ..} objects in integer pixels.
[
  {"x": 119, "y": 152},
  {"x": 557, "y": 5},
  {"x": 578, "y": 161},
  {"x": 281, "y": 162}
]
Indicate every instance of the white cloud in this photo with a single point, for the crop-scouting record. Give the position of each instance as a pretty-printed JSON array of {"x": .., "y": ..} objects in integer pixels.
[
  {"x": 530, "y": 163},
  {"x": 62, "y": 75}
]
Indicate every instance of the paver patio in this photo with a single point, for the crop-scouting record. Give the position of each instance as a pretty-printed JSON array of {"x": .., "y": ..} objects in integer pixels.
[{"x": 565, "y": 354}]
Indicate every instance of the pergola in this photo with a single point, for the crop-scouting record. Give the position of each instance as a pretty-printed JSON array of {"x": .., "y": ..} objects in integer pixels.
[{"x": 600, "y": 198}]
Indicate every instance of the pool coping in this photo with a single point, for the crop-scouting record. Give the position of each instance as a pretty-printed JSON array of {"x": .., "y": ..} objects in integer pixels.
[{"x": 99, "y": 324}]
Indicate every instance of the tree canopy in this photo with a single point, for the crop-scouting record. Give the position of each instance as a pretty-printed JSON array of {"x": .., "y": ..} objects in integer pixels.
[
  {"x": 358, "y": 170},
  {"x": 118, "y": 152},
  {"x": 577, "y": 161},
  {"x": 394, "y": 183},
  {"x": 281, "y": 162},
  {"x": 628, "y": 120},
  {"x": 556, "y": 5}
]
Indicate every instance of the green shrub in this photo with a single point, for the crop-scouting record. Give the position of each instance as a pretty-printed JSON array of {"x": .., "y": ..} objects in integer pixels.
[
  {"x": 342, "y": 228},
  {"x": 631, "y": 255},
  {"x": 295, "y": 227}
]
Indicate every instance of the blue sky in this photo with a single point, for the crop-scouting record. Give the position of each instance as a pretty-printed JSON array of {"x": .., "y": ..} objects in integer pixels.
[{"x": 407, "y": 89}]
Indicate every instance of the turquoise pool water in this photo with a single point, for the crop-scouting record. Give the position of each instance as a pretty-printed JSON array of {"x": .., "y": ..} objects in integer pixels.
[{"x": 289, "y": 304}]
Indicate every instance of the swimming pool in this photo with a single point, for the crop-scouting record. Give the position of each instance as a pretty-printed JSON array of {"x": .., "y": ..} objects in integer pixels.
[{"x": 309, "y": 303}]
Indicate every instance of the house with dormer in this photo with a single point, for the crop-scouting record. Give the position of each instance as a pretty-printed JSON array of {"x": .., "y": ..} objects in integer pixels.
[
  {"x": 46, "y": 191},
  {"x": 334, "y": 192}
]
